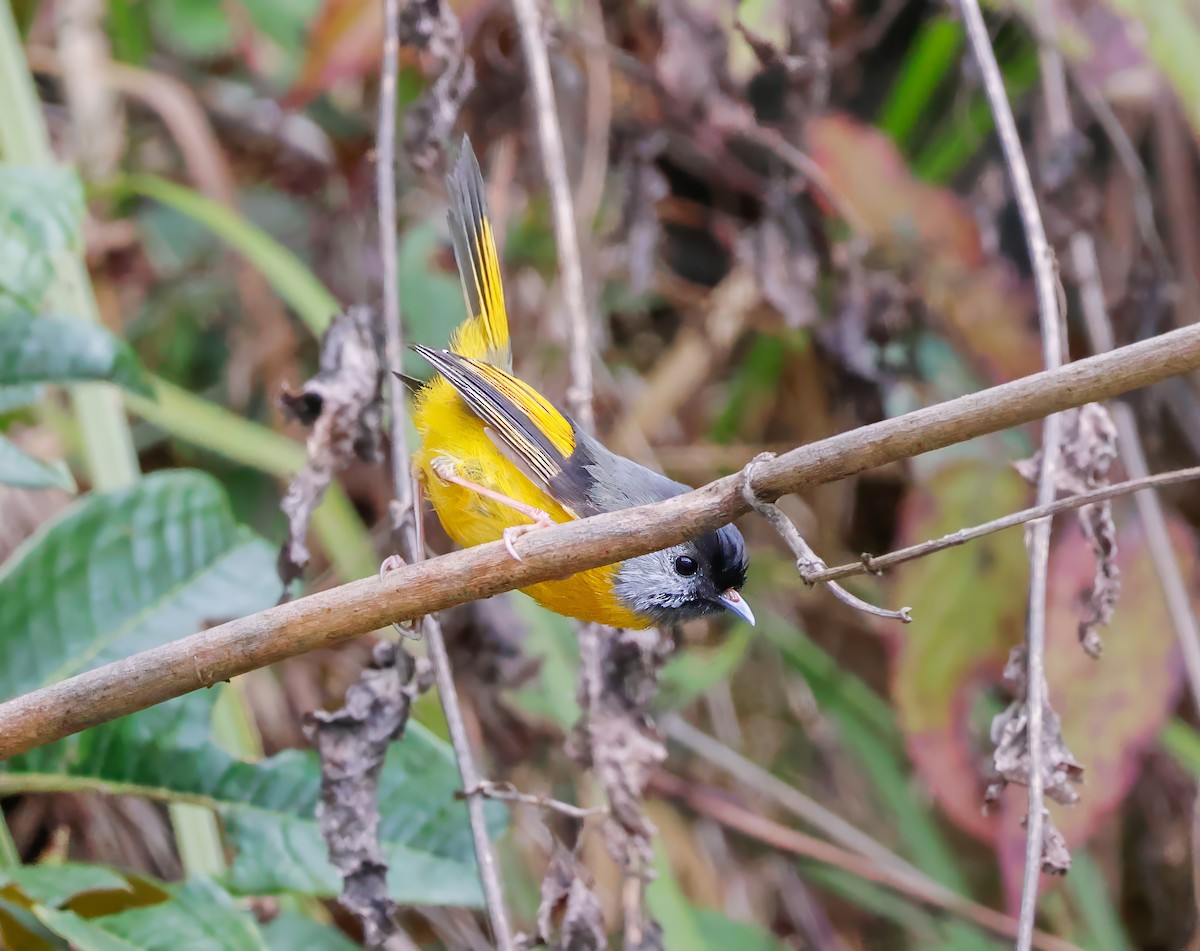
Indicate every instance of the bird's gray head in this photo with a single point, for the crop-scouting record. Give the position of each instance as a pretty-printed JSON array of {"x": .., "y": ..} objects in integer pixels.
[{"x": 698, "y": 577}]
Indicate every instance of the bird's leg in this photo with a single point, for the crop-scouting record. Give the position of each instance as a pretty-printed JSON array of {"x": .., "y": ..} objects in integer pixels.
[
  {"x": 410, "y": 629},
  {"x": 538, "y": 519}
]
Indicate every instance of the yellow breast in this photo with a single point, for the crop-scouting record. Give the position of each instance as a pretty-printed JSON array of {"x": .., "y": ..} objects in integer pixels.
[{"x": 451, "y": 431}]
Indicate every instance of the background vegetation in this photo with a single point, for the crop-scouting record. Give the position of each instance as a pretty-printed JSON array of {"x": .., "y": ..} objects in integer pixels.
[{"x": 186, "y": 197}]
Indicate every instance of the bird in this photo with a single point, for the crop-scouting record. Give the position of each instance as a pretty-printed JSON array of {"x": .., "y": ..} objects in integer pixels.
[{"x": 497, "y": 459}]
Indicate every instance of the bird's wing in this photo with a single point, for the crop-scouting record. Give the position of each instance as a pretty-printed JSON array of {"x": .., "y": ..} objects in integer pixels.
[{"x": 526, "y": 427}]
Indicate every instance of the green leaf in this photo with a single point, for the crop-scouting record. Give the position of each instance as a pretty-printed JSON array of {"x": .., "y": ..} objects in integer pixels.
[
  {"x": 286, "y": 273},
  {"x": 55, "y": 885},
  {"x": 195, "y": 28},
  {"x": 82, "y": 933},
  {"x": 424, "y": 828},
  {"x": 688, "y": 928},
  {"x": 199, "y": 917},
  {"x": 55, "y": 350},
  {"x": 40, "y": 212},
  {"x": 695, "y": 671},
  {"x": 268, "y": 808},
  {"x": 122, "y": 572},
  {"x": 20, "y": 469},
  {"x": 289, "y": 931}
]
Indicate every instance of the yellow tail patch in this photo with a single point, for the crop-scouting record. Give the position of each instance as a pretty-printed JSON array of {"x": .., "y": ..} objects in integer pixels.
[{"x": 484, "y": 334}]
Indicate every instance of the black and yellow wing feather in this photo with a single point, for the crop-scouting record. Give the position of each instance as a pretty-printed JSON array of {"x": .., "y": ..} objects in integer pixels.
[{"x": 536, "y": 436}]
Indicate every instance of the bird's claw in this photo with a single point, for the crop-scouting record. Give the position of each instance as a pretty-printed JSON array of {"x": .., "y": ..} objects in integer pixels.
[
  {"x": 513, "y": 532},
  {"x": 390, "y": 563}
]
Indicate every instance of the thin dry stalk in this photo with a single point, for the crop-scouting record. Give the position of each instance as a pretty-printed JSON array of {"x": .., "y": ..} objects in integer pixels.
[
  {"x": 758, "y": 780},
  {"x": 1085, "y": 264},
  {"x": 566, "y": 238},
  {"x": 876, "y": 564},
  {"x": 807, "y": 560},
  {"x": 1053, "y": 347},
  {"x": 719, "y": 808},
  {"x": 404, "y": 514}
]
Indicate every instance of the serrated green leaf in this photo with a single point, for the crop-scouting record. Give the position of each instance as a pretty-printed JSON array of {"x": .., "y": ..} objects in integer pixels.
[
  {"x": 40, "y": 212},
  {"x": 121, "y": 572},
  {"x": 18, "y": 468},
  {"x": 55, "y": 350},
  {"x": 55, "y": 885}
]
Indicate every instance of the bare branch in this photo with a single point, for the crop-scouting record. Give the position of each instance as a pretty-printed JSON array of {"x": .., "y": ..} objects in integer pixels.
[
  {"x": 1053, "y": 347},
  {"x": 507, "y": 792},
  {"x": 404, "y": 511},
  {"x": 417, "y": 590},
  {"x": 875, "y": 564},
  {"x": 807, "y": 560}
]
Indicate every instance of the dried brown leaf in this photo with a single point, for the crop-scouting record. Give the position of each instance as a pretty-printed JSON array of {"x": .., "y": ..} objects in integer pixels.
[
  {"x": 619, "y": 740},
  {"x": 570, "y": 916},
  {"x": 431, "y": 26},
  {"x": 352, "y": 743},
  {"x": 639, "y": 230},
  {"x": 780, "y": 250},
  {"x": 693, "y": 62},
  {"x": 1010, "y": 734},
  {"x": 342, "y": 404},
  {"x": 1088, "y": 450}
]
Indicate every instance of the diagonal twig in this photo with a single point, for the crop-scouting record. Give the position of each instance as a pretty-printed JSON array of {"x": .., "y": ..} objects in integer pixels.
[
  {"x": 807, "y": 560},
  {"x": 404, "y": 514},
  {"x": 1053, "y": 348},
  {"x": 876, "y": 564}
]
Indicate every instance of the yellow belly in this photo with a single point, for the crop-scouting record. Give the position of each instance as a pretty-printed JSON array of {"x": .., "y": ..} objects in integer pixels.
[{"x": 449, "y": 430}]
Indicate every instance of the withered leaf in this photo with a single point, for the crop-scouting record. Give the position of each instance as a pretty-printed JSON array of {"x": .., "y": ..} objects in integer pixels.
[
  {"x": 431, "y": 25},
  {"x": 352, "y": 743},
  {"x": 780, "y": 250},
  {"x": 618, "y": 739},
  {"x": 1088, "y": 449},
  {"x": 570, "y": 917},
  {"x": 639, "y": 229},
  {"x": 343, "y": 405},
  {"x": 1010, "y": 733}
]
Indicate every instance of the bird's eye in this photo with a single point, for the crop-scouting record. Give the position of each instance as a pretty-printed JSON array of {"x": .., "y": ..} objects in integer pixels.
[{"x": 685, "y": 565}]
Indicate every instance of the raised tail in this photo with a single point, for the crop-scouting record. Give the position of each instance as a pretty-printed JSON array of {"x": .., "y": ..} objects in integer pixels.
[{"x": 484, "y": 334}]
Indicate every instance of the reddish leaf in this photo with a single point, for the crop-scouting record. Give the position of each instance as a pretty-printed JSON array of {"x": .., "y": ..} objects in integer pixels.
[
  {"x": 986, "y": 307},
  {"x": 345, "y": 43},
  {"x": 1111, "y": 708},
  {"x": 969, "y": 608}
]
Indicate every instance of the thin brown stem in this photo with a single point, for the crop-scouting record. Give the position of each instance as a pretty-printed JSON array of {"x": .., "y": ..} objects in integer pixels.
[
  {"x": 874, "y": 564},
  {"x": 404, "y": 514},
  {"x": 718, "y": 807},
  {"x": 1053, "y": 349},
  {"x": 188, "y": 662},
  {"x": 566, "y": 237},
  {"x": 507, "y": 792},
  {"x": 807, "y": 560}
]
